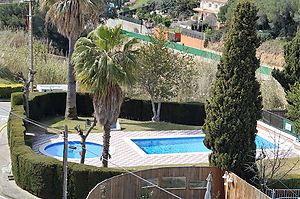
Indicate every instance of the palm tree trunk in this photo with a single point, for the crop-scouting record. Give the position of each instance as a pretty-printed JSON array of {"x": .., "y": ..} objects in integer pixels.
[
  {"x": 106, "y": 139},
  {"x": 71, "y": 111}
]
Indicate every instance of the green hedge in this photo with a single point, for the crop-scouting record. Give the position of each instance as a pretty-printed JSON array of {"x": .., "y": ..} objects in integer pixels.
[
  {"x": 291, "y": 181},
  {"x": 179, "y": 113},
  {"x": 42, "y": 175},
  {"x": 7, "y": 89},
  {"x": 41, "y": 106}
]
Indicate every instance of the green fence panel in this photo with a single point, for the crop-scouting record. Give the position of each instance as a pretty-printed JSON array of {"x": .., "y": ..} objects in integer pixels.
[{"x": 278, "y": 122}]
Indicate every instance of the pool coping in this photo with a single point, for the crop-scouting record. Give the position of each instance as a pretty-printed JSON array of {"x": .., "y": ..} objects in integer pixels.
[
  {"x": 126, "y": 155},
  {"x": 140, "y": 151},
  {"x": 42, "y": 150}
]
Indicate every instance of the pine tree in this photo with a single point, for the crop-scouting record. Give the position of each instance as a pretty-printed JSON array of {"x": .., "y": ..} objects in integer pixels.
[
  {"x": 235, "y": 105},
  {"x": 291, "y": 73}
]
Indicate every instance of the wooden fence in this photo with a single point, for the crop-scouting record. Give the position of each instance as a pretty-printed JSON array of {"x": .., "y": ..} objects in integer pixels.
[
  {"x": 185, "y": 182},
  {"x": 238, "y": 188}
]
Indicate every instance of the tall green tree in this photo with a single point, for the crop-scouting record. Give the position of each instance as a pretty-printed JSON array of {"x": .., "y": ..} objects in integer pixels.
[
  {"x": 293, "y": 97},
  {"x": 70, "y": 18},
  {"x": 104, "y": 62},
  {"x": 236, "y": 103},
  {"x": 291, "y": 72}
]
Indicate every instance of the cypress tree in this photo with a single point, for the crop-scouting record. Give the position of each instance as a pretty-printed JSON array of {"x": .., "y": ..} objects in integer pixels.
[
  {"x": 291, "y": 73},
  {"x": 235, "y": 106}
]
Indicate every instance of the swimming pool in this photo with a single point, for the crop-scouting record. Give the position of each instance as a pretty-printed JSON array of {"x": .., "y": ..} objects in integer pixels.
[
  {"x": 183, "y": 145},
  {"x": 74, "y": 148}
]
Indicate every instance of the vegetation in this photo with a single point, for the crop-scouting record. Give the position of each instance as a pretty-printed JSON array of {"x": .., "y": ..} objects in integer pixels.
[
  {"x": 235, "y": 106},
  {"x": 291, "y": 73},
  {"x": 13, "y": 16},
  {"x": 163, "y": 73},
  {"x": 14, "y": 58},
  {"x": 126, "y": 125},
  {"x": 104, "y": 61},
  {"x": 70, "y": 17},
  {"x": 293, "y": 97},
  {"x": 7, "y": 89},
  {"x": 277, "y": 17},
  {"x": 42, "y": 175}
]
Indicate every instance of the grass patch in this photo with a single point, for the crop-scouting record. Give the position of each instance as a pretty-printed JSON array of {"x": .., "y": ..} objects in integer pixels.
[
  {"x": 126, "y": 125},
  {"x": 6, "y": 81},
  {"x": 140, "y": 3}
]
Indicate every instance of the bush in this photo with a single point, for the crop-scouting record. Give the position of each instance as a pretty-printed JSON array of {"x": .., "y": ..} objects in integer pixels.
[
  {"x": 41, "y": 105},
  {"x": 7, "y": 89},
  {"x": 264, "y": 36},
  {"x": 42, "y": 175},
  {"x": 291, "y": 181},
  {"x": 179, "y": 113}
]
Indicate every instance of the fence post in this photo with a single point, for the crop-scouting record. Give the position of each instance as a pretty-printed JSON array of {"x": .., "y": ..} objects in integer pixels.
[{"x": 273, "y": 193}]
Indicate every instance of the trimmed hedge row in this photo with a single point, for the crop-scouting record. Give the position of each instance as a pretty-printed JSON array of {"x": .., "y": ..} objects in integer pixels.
[
  {"x": 179, "y": 113},
  {"x": 41, "y": 106},
  {"x": 7, "y": 89},
  {"x": 42, "y": 175},
  {"x": 291, "y": 181}
]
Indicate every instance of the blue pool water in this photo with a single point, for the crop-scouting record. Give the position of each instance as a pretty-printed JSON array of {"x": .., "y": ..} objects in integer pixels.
[
  {"x": 183, "y": 145},
  {"x": 93, "y": 150}
]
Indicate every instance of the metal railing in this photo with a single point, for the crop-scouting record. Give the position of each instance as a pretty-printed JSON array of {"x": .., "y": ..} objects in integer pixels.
[
  {"x": 279, "y": 122},
  {"x": 283, "y": 193}
]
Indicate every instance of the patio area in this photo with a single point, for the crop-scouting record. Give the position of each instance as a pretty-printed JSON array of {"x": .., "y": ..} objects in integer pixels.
[{"x": 125, "y": 154}]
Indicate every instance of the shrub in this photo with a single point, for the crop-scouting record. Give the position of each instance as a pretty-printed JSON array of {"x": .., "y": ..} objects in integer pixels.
[
  {"x": 179, "y": 113},
  {"x": 264, "y": 35},
  {"x": 7, "y": 89},
  {"x": 42, "y": 175},
  {"x": 41, "y": 105},
  {"x": 291, "y": 181}
]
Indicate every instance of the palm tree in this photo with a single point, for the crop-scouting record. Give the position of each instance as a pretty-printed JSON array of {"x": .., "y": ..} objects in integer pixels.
[
  {"x": 104, "y": 62},
  {"x": 70, "y": 18}
]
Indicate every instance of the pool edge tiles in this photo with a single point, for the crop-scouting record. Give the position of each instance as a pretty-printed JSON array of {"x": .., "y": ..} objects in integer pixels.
[
  {"x": 177, "y": 145},
  {"x": 42, "y": 149},
  {"x": 141, "y": 152}
]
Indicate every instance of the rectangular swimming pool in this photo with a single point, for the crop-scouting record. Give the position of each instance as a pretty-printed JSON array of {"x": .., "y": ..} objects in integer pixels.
[{"x": 183, "y": 145}]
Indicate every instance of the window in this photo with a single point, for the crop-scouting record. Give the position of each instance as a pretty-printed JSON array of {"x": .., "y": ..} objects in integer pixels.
[
  {"x": 197, "y": 184},
  {"x": 209, "y": 5},
  {"x": 145, "y": 185},
  {"x": 216, "y": 6},
  {"x": 173, "y": 182}
]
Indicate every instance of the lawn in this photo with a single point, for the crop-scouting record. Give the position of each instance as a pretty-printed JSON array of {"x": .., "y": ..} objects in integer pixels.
[
  {"x": 126, "y": 125},
  {"x": 140, "y": 3}
]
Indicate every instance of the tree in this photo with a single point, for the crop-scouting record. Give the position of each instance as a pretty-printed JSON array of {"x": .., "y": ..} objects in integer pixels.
[
  {"x": 13, "y": 16},
  {"x": 291, "y": 73},
  {"x": 104, "y": 62},
  {"x": 235, "y": 105},
  {"x": 83, "y": 135},
  {"x": 70, "y": 18},
  {"x": 293, "y": 98},
  {"x": 162, "y": 73},
  {"x": 272, "y": 162}
]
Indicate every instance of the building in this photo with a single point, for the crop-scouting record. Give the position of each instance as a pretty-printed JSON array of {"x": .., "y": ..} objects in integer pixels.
[{"x": 208, "y": 11}]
